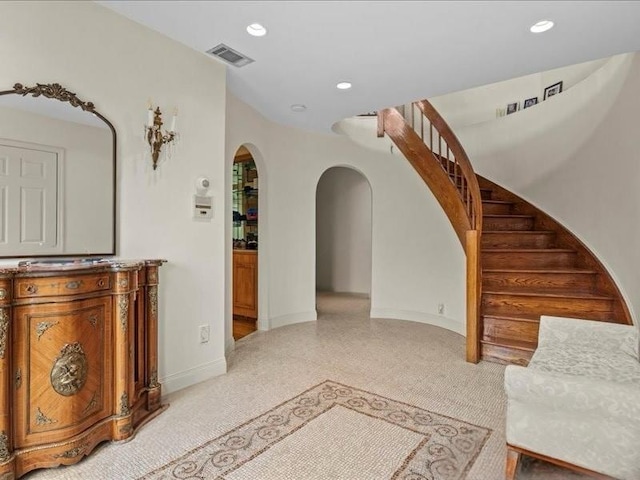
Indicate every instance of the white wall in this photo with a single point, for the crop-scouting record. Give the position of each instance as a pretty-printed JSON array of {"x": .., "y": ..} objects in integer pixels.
[
  {"x": 475, "y": 105},
  {"x": 343, "y": 232},
  {"x": 577, "y": 157},
  {"x": 417, "y": 261},
  {"x": 119, "y": 65},
  {"x": 88, "y": 166}
]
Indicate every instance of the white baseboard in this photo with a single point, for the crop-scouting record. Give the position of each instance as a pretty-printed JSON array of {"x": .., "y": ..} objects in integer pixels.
[
  {"x": 178, "y": 381},
  {"x": 421, "y": 317},
  {"x": 292, "y": 318},
  {"x": 263, "y": 324}
]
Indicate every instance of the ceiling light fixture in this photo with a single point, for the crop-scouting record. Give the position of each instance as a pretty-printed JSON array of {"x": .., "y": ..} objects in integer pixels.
[
  {"x": 256, "y": 30},
  {"x": 343, "y": 86},
  {"x": 298, "y": 107},
  {"x": 541, "y": 26}
]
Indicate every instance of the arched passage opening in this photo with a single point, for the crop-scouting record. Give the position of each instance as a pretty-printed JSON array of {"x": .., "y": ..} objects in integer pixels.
[
  {"x": 343, "y": 232},
  {"x": 245, "y": 241}
]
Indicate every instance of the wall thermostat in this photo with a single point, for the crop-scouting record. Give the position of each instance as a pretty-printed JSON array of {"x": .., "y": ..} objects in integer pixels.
[{"x": 202, "y": 207}]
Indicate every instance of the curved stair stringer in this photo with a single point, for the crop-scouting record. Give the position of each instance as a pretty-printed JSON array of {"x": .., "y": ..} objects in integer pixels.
[{"x": 532, "y": 265}]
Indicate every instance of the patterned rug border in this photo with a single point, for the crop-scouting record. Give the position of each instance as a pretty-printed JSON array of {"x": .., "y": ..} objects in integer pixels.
[{"x": 436, "y": 458}]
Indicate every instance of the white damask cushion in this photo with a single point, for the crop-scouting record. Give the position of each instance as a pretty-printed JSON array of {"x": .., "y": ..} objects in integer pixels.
[{"x": 630, "y": 344}]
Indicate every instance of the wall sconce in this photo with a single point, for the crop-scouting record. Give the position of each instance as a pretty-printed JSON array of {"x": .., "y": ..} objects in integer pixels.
[{"x": 153, "y": 132}]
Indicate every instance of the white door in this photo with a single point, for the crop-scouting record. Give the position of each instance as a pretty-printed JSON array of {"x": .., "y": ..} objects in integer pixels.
[{"x": 28, "y": 200}]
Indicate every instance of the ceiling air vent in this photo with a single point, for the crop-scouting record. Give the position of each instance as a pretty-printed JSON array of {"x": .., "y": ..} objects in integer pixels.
[{"x": 229, "y": 55}]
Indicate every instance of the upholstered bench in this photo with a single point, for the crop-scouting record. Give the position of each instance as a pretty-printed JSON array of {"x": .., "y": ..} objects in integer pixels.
[{"x": 577, "y": 403}]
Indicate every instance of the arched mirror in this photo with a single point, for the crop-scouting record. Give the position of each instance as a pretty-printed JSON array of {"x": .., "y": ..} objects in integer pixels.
[{"x": 57, "y": 174}]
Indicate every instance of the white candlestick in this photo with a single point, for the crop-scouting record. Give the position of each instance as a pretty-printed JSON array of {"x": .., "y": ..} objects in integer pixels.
[
  {"x": 150, "y": 117},
  {"x": 173, "y": 122}
]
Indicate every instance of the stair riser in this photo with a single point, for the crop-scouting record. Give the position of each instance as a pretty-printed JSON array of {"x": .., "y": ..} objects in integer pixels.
[
  {"x": 508, "y": 223},
  {"x": 496, "y": 208},
  {"x": 514, "y": 305},
  {"x": 485, "y": 194},
  {"x": 517, "y": 240},
  {"x": 505, "y": 355},
  {"x": 494, "y": 328},
  {"x": 562, "y": 282},
  {"x": 526, "y": 260}
]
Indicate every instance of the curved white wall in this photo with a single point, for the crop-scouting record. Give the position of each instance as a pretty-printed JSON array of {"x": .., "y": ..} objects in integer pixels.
[
  {"x": 343, "y": 232},
  {"x": 476, "y": 105},
  {"x": 417, "y": 261},
  {"x": 577, "y": 157}
]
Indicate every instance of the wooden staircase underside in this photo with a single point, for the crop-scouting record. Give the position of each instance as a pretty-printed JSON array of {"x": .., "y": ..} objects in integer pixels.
[{"x": 533, "y": 266}]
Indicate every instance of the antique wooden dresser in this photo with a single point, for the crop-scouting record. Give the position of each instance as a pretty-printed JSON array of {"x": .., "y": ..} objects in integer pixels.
[{"x": 78, "y": 358}]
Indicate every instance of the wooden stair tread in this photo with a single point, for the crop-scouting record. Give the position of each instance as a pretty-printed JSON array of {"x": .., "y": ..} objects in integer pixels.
[
  {"x": 550, "y": 294},
  {"x": 518, "y": 232},
  {"x": 507, "y": 215},
  {"x": 528, "y": 250},
  {"x": 500, "y": 202},
  {"x": 511, "y": 318},
  {"x": 541, "y": 271},
  {"x": 509, "y": 343}
]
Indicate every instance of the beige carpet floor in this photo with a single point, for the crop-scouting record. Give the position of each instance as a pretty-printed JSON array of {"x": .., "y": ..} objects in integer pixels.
[{"x": 400, "y": 362}]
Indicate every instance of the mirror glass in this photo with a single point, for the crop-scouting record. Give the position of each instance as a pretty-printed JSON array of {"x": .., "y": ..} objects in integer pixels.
[{"x": 57, "y": 174}]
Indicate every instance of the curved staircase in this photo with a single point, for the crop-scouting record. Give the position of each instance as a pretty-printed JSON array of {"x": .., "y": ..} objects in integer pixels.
[{"x": 521, "y": 263}]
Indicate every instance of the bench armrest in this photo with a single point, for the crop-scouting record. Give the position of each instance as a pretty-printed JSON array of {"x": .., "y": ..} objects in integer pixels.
[{"x": 600, "y": 335}]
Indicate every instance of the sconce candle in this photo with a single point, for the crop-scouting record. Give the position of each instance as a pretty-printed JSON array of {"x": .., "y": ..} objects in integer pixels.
[{"x": 155, "y": 137}]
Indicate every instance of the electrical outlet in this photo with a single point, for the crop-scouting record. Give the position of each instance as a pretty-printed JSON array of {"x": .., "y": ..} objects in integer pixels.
[
  {"x": 204, "y": 333},
  {"x": 441, "y": 309}
]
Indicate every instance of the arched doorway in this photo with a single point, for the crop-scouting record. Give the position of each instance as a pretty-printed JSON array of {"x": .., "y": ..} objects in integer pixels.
[
  {"x": 245, "y": 240},
  {"x": 343, "y": 232}
]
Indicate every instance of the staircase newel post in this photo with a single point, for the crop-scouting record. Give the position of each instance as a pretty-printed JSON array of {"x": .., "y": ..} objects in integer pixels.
[{"x": 474, "y": 282}]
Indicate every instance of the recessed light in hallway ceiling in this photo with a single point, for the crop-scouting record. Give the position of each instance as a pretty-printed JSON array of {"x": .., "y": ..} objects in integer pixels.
[
  {"x": 541, "y": 26},
  {"x": 298, "y": 107},
  {"x": 256, "y": 30},
  {"x": 343, "y": 86}
]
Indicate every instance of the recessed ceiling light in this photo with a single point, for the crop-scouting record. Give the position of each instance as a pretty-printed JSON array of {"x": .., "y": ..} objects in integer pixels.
[
  {"x": 541, "y": 26},
  {"x": 298, "y": 107},
  {"x": 343, "y": 86},
  {"x": 256, "y": 30}
]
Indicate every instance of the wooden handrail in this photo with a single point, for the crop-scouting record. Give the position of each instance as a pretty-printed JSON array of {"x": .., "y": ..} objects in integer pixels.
[
  {"x": 472, "y": 198},
  {"x": 440, "y": 160}
]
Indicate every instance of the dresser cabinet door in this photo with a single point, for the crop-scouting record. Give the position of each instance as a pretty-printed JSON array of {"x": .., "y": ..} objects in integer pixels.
[{"x": 63, "y": 380}]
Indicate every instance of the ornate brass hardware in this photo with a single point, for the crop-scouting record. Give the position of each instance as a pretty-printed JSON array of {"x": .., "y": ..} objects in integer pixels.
[
  {"x": 4, "y": 330},
  {"x": 74, "y": 285},
  {"x": 74, "y": 452},
  {"x": 93, "y": 319},
  {"x": 69, "y": 371},
  {"x": 43, "y": 327},
  {"x": 3, "y": 293},
  {"x": 124, "y": 405},
  {"x": 100, "y": 283},
  {"x": 123, "y": 283},
  {"x": 31, "y": 289},
  {"x": 4, "y": 447},
  {"x": 54, "y": 90},
  {"x": 42, "y": 419},
  {"x": 153, "y": 299},
  {"x": 18, "y": 379},
  {"x": 123, "y": 303},
  {"x": 153, "y": 378}
]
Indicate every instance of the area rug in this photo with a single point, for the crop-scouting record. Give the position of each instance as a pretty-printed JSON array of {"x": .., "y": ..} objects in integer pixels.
[{"x": 334, "y": 431}]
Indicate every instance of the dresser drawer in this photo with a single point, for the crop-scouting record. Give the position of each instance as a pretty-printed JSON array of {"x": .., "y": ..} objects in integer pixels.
[{"x": 53, "y": 286}]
